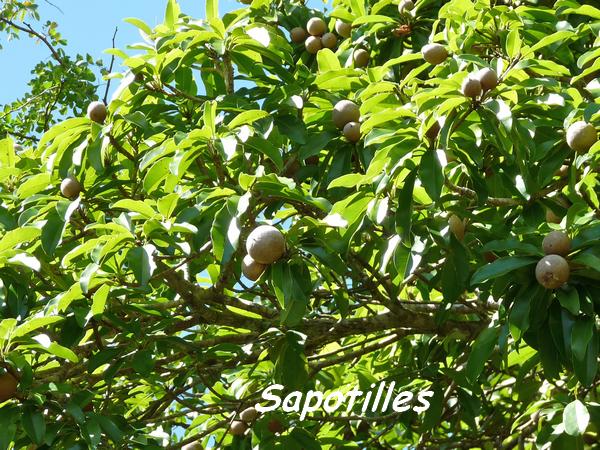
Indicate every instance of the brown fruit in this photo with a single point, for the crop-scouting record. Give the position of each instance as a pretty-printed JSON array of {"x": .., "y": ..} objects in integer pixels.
[
  {"x": 252, "y": 269},
  {"x": 313, "y": 44},
  {"x": 562, "y": 172},
  {"x": 343, "y": 29},
  {"x": 488, "y": 78},
  {"x": 70, "y": 187},
  {"x": 196, "y": 445},
  {"x": 275, "y": 426},
  {"x": 352, "y": 131},
  {"x": 433, "y": 131},
  {"x": 552, "y": 271},
  {"x": 265, "y": 244},
  {"x": 434, "y": 53},
  {"x": 556, "y": 243},
  {"x": 581, "y": 136},
  {"x": 457, "y": 226},
  {"x": 97, "y": 112},
  {"x": 316, "y": 26},
  {"x": 490, "y": 257},
  {"x": 238, "y": 428},
  {"x": 360, "y": 57},
  {"x": 345, "y": 111},
  {"x": 405, "y": 5},
  {"x": 329, "y": 40},
  {"x": 8, "y": 387},
  {"x": 249, "y": 415},
  {"x": 471, "y": 87},
  {"x": 551, "y": 217},
  {"x": 298, "y": 35}
]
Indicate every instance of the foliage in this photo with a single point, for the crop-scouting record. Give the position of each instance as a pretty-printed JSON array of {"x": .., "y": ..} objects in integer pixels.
[{"x": 124, "y": 311}]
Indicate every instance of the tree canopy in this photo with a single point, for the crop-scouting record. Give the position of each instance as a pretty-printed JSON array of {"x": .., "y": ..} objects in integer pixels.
[{"x": 444, "y": 235}]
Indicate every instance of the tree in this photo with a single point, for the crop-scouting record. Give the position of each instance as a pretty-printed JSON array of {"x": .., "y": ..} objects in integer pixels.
[{"x": 411, "y": 255}]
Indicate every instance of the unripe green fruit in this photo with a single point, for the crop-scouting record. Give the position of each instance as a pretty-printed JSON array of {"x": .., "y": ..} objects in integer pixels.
[
  {"x": 252, "y": 269},
  {"x": 457, "y": 226},
  {"x": 193, "y": 446},
  {"x": 70, "y": 187},
  {"x": 249, "y": 415},
  {"x": 360, "y": 57},
  {"x": 238, "y": 428},
  {"x": 344, "y": 112},
  {"x": 434, "y": 53},
  {"x": 352, "y": 131},
  {"x": 328, "y": 40},
  {"x": 471, "y": 87},
  {"x": 556, "y": 243},
  {"x": 8, "y": 387},
  {"x": 552, "y": 271},
  {"x": 581, "y": 136},
  {"x": 316, "y": 26},
  {"x": 313, "y": 44},
  {"x": 488, "y": 78},
  {"x": 298, "y": 35},
  {"x": 405, "y": 6},
  {"x": 343, "y": 29},
  {"x": 265, "y": 244},
  {"x": 97, "y": 112}
]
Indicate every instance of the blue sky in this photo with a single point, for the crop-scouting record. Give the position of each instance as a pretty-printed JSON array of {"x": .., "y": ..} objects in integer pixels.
[{"x": 88, "y": 26}]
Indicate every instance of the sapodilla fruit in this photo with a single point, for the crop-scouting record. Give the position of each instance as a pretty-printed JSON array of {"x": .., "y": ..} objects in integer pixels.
[
  {"x": 552, "y": 271},
  {"x": 433, "y": 130},
  {"x": 298, "y": 35},
  {"x": 360, "y": 57},
  {"x": 343, "y": 29},
  {"x": 551, "y": 217},
  {"x": 265, "y": 244},
  {"x": 457, "y": 226},
  {"x": 238, "y": 428},
  {"x": 352, "y": 131},
  {"x": 8, "y": 387},
  {"x": 313, "y": 44},
  {"x": 488, "y": 78},
  {"x": 193, "y": 446},
  {"x": 556, "y": 243},
  {"x": 275, "y": 426},
  {"x": 97, "y": 112},
  {"x": 405, "y": 6},
  {"x": 345, "y": 111},
  {"x": 249, "y": 415},
  {"x": 329, "y": 40},
  {"x": 316, "y": 26},
  {"x": 471, "y": 87},
  {"x": 434, "y": 53},
  {"x": 252, "y": 269},
  {"x": 70, "y": 187},
  {"x": 581, "y": 136}
]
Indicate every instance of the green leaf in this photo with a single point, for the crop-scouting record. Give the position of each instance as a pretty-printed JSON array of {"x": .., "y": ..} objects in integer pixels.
[
  {"x": 142, "y": 263},
  {"x": 99, "y": 300},
  {"x": 569, "y": 299},
  {"x": 481, "y": 350},
  {"x": 291, "y": 367},
  {"x": 500, "y": 267},
  {"x": 292, "y": 285},
  {"x": 35, "y": 323},
  {"x": 136, "y": 206},
  {"x": 52, "y": 232},
  {"x": 575, "y": 418},
  {"x": 172, "y": 13},
  {"x": 431, "y": 175},
  {"x": 327, "y": 60},
  {"x": 212, "y": 9},
  {"x": 7, "y": 153},
  {"x": 247, "y": 117},
  {"x": 513, "y": 43},
  {"x": 34, "y": 425},
  {"x": 12, "y": 239}
]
